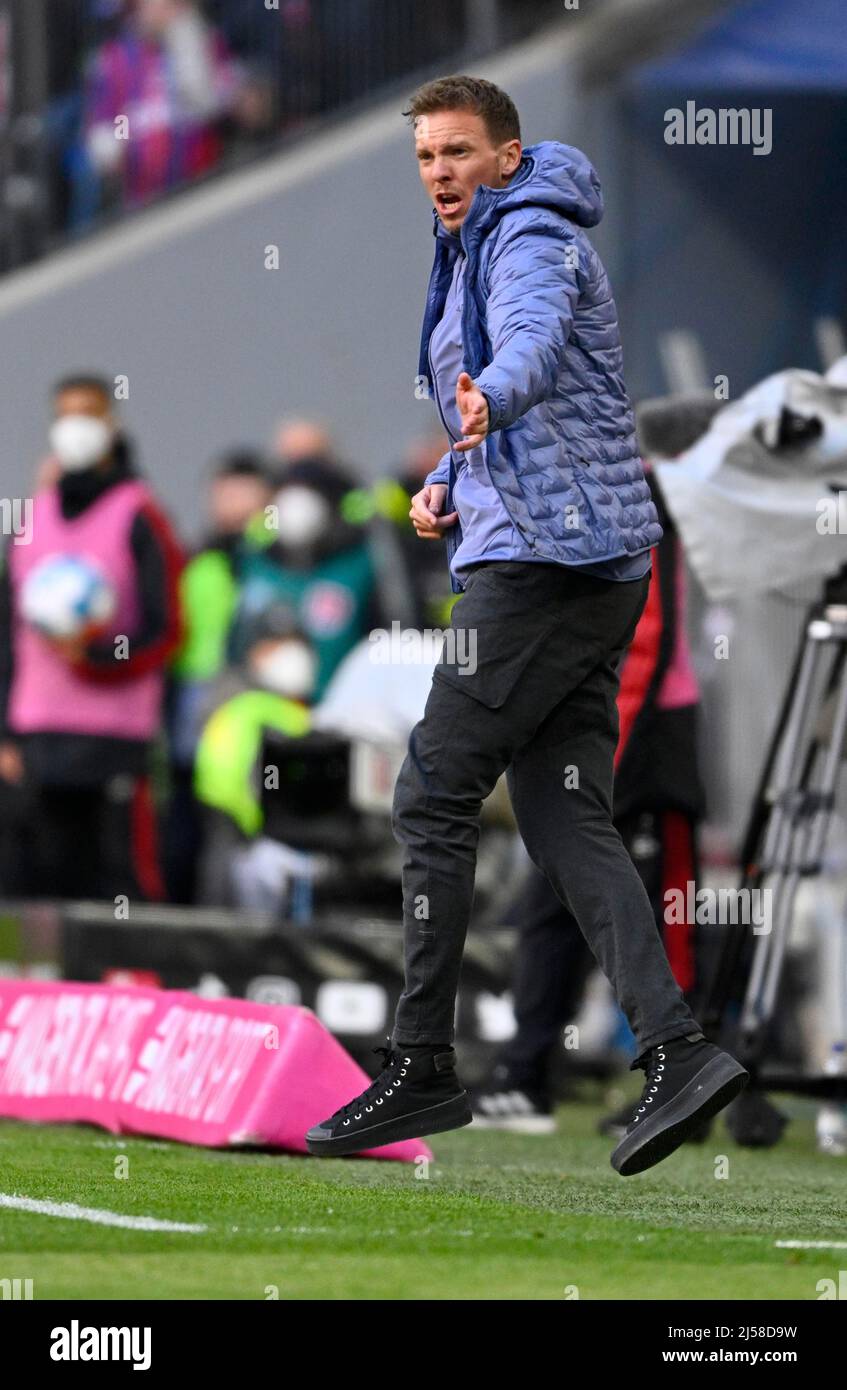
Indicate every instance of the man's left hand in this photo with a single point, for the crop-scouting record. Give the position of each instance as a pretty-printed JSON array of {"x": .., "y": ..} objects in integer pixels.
[{"x": 473, "y": 409}]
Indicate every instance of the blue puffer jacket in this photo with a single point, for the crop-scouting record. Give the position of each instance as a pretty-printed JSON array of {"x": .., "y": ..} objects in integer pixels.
[{"x": 541, "y": 341}]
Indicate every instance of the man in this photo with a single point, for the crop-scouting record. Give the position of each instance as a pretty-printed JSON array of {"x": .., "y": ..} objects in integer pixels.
[
  {"x": 79, "y": 713},
  {"x": 549, "y": 524}
]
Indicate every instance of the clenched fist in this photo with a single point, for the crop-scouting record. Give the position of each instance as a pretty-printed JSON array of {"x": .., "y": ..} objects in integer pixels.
[{"x": 426, "y": 512}]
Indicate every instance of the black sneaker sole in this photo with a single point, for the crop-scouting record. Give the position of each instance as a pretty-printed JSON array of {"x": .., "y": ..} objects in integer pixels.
[
  {"x": 434, "y": 1119},
  {"x": 615, "y": 1129},
  {"x": 714, "y": 1086}
]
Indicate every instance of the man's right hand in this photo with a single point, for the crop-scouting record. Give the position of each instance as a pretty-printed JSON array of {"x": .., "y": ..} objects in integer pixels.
[{"x": 426, "y": 512}]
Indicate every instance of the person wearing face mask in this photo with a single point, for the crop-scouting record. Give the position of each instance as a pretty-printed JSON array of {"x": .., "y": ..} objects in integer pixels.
[
  {"x": 78, "y": 714},
  {"x": 272, "y": 689},
  {"x": 305, "y": 553}
]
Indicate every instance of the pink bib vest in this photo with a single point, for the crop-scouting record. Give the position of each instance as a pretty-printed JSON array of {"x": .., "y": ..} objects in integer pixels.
[{"x": 47, "y": 695}]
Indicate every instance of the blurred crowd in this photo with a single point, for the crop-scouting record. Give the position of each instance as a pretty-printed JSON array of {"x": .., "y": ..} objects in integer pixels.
[
  {"x": 138, "y": 678},
  {"x": 147, "y": 95}
]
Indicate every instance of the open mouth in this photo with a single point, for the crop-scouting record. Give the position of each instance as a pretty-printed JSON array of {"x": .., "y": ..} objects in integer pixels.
[{"x": 447, "y": 202}]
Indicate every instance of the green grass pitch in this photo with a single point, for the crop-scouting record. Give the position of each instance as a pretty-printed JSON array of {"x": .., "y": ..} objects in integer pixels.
[{"x": 497, "y": 1217}]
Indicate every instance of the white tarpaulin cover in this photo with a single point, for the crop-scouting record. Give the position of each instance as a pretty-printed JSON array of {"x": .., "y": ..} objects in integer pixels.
[
  {"x": 382, "y": 699},
  {"x": 756, "y": 513}
]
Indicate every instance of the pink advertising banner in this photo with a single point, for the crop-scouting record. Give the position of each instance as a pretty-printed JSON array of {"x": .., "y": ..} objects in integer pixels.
[{"x": 218, "y": 1073}]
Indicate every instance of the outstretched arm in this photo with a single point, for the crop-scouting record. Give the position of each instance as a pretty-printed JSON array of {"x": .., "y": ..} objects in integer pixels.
[{"x": 533, "y": 291}]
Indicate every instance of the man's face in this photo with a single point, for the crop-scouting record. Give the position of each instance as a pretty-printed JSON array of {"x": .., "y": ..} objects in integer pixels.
[{"x": 455, "y": 155}]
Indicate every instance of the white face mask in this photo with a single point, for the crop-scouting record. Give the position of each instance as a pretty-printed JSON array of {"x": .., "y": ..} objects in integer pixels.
[
  {"x": 302, "y": 514},
  {"x": 80, "y": 441},
  {"x": 290, "y": 670}
]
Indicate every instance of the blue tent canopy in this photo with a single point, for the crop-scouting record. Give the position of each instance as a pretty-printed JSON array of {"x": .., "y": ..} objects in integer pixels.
[{"x": 760, "y": 44}]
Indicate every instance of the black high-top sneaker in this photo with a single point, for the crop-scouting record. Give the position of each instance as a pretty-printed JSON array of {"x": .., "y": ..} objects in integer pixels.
[
  {"x": 416, "y": 1093},
  {"x": 688, "y": 1081}
]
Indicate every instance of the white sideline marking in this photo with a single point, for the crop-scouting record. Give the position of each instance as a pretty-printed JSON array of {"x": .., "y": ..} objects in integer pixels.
[
  {"x": 811, "y": 1244},
  {"x": 71, "y": 1212}
]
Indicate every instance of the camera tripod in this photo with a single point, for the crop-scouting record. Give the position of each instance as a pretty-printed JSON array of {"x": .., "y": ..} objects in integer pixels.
[{"x": 784, "y": 842}]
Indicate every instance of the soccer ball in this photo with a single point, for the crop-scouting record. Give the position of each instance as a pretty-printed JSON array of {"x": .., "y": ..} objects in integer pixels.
[{"x": 67, "y": 596}]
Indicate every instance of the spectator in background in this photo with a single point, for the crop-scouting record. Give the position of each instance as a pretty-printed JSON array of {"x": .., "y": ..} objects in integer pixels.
[
  {"x": 79, "y": 712},
  {"x": 239, "y": 489},
  {"x": 271, "y": 688},
  {"x": 171, "y": 75},
  {"x": 304, "y": 553},
  {"x": 297, "y": 439},
  {"x": 379, "y": 510}
]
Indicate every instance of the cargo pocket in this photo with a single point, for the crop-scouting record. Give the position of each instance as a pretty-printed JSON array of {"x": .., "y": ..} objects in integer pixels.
[{"x": 492, "y": 638}]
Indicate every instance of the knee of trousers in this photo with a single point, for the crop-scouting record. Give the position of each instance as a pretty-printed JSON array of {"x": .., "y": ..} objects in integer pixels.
[
  {"x": 410, "y": 796},
  {"x": 560, "y": 848},
  {"x": 427, "y": 809}
]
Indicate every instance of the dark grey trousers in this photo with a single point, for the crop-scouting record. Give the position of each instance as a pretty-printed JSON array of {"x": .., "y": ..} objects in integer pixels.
[{"x": 541, "y": 705}]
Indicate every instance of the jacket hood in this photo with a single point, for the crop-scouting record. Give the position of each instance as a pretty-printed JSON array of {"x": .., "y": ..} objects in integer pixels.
[{"x": 550, "y": 175}]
